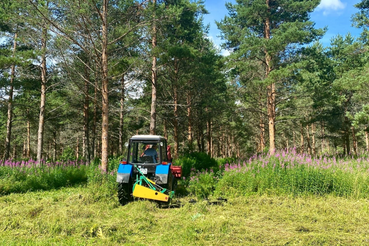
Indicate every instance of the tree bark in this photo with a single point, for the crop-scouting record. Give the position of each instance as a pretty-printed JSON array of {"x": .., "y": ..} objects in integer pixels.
[
  {"x": 94, "y": 126},
  {"x": 55, "y": 145},
  {"x": 354, "y": 141},
  {"x": 367, "y": 140},
  {"x": 208, "y": 126},
  {"x": 262, "y": 133},
  {"x": 302, "y": 140},
  {"x": 347, "y": 136},
  {"x": 86, "y": 137},
  {"x": 153, "y": 78},
  {"x": 10, "y": 104},
  {"x": 121, "y": 117},
  {"x": 308, "y": 139},
  {"x": 229, "y": 145},
  {"x": 28, "y": 150},
  {"x": 24, "y": 149},
  {"x": 41, "y": 124},
  {"x": 198, "y": 137},
  {"x": 224, "y": 144},
  {"x": 77, "y": 147},
  {"x": 165, "y": 130},
  {"x": 189, "y": 115},
  {"x": 313, "y": 138},
  {"x": 105, "y": 90},
  {"x": 270, "y": 88},
  {"x": 175, "y": 124},
  {"x": 322, "y": 136}
]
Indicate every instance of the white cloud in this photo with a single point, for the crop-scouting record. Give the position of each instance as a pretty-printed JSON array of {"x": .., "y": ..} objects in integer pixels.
[
  {"x": 225, "y": 53},
  {"x": 328, "y": 6},
  {"x": 217, "y": 43}
]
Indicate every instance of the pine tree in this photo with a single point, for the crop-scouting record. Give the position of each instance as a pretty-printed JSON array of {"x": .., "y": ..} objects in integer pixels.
[{"x": 268, "y": 31}]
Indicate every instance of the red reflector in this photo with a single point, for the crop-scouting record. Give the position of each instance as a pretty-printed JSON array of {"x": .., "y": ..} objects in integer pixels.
[
  {"x": 123, "y": 162},
  {"x": 177, "y": 171},
  {"x": 164, "y": 163}
]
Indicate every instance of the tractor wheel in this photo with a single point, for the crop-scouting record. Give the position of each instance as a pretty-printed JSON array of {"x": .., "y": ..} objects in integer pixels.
[
  {"x": 124, "y": 193},
  {"x": 169, "y": 185}
]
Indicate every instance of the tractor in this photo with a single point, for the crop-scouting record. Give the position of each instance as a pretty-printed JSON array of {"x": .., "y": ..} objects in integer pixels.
[{"x": 147, "y": 173}]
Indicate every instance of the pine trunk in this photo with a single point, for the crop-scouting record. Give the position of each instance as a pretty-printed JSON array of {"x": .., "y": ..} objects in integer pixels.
[
  {"x": 302, "y": 140},
  {"x": 189, "y": 136},
  {"x": 354, "y": 141},
  {"x": 165, "y": 130},
  {"x": 121, "y": 117},
  {"x": 40, "y": 134},
  {"x": 105, "y": 90},
  {"x": 10, "y": 105},
  {"x": 175, "y": 124},
  {"x": 313, "y": 138},
  {"x": 54, "y": 147},
  {"x": 28, "y": 152},
  {"x": 153, "y": 79},
  {"x": 347, "y": 139},
  {"x": 322, "y": 136},
  {"x": 208, "y": 127},
  {"x": 270, "y": 88},
  {"x": 86, "y": 138},
  {"x": 94, "y": 126},
  {"x": 308, "y": 139},
  {"x": 77, "y": 147}
]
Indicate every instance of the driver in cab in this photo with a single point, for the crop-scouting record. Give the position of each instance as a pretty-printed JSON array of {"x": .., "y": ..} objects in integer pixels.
[{"x": 152, "y": 152}]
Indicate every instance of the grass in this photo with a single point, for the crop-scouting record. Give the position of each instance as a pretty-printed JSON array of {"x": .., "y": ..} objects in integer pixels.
[
  {"x": 92, "y": 216},
  {"x": 291, "y": 173},
  {"x": 287, "y": 199}
]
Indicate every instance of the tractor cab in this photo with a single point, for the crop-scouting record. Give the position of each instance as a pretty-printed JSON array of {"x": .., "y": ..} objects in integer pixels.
[{"x": 147, "y": 149}]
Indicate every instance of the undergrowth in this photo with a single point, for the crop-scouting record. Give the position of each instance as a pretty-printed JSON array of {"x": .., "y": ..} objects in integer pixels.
[
  {"x": 272, "y": 200},
  {"x": 286, "y": 172}
]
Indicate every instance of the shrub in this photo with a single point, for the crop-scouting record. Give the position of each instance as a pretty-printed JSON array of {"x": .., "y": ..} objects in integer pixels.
[
  {"x": 68, "y": 154},
  {"x": 202, "y": 184},
  {"x": 223, "y": 161},
  {"x": 198, "y": 160}
]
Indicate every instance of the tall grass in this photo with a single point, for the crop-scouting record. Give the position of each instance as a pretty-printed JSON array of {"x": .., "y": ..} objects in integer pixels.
[
  {"x": 29, "y": 175},
  {"x": 23, "y": 176},
  {"x": 288, "y": 172}
]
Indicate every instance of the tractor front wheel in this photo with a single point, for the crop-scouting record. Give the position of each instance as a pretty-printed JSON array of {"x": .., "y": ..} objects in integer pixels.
[{"x": 124, "y": 193}]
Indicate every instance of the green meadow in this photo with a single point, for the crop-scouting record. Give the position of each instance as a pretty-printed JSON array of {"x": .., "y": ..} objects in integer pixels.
[{"x": 286, "y": 199}]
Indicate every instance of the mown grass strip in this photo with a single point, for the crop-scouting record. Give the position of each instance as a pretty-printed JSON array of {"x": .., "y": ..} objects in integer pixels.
[{"x": 88, "y": 216}]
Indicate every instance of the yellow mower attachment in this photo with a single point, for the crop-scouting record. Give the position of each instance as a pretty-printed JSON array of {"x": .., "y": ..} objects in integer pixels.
[
  {"x": 148, "y": 189},
  {"x": 144, "y": 192}
]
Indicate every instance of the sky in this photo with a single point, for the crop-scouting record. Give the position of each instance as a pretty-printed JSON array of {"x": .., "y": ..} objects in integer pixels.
[{"x": 334, "y": 14}]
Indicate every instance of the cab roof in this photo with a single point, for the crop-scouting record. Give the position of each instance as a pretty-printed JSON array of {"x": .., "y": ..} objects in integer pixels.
[{"x": 147, "y": 137}]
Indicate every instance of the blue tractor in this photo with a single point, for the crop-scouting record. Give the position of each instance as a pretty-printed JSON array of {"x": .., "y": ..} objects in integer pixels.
[{"x": 148, "y": 171}]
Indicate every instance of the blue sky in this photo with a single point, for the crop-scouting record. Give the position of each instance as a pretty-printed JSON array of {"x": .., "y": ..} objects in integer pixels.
[{"x": 333, "y": 14}]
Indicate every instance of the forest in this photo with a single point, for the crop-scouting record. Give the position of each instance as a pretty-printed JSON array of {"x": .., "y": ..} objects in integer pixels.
[{"x": 79, "y": 77}]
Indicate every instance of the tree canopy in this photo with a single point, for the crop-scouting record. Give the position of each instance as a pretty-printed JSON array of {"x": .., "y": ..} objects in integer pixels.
[{"x": 86, "y": 75}]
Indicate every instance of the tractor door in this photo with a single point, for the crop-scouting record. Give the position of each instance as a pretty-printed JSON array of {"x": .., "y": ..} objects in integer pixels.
[{"x": 163, "y": 151}]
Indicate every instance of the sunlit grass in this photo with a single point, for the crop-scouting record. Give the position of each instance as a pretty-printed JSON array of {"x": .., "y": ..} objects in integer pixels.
[
  {"x": 86, "y": 216},
  {"x": 287, "y": 173},
  {"x": 286, "y": 199}
]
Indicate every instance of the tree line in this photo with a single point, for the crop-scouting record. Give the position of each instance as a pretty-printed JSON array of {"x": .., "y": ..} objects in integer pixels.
[{"x": 79, "y": 77}]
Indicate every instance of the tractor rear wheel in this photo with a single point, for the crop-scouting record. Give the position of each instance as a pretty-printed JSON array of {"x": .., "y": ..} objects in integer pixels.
[{"x": 124, "y": 193}]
